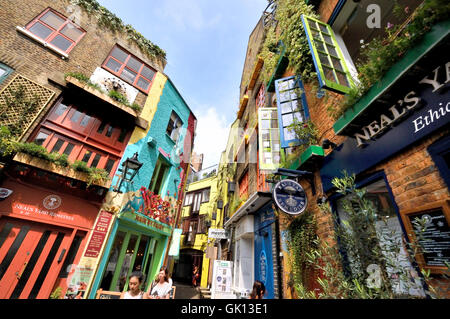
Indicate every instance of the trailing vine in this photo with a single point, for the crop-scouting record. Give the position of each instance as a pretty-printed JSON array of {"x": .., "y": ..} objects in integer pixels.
[
  {"x": 288, "y": 15},
  {"x": 302, "y": 240},
  {"x": 109, "y": 20}
]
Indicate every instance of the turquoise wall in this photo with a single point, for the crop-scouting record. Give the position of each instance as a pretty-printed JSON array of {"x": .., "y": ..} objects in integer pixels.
[{"x": 170, "y": 100}]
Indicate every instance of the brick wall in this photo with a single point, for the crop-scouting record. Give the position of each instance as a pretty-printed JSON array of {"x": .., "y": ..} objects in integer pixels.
[{"x": 32, "y": 60}]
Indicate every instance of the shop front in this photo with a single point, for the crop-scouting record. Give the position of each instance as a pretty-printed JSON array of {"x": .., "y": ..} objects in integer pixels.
[
  {"x": 43, "y": 232},
  {"x": 137, "y": 243},
  {"x": 398, "y": 148}
]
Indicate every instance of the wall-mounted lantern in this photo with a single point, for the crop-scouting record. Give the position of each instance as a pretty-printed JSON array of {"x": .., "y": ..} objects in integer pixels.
[{"x": 129, "y": 169}]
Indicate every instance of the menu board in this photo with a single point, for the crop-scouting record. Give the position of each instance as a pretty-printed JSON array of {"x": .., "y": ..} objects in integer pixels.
[
  {"x": 434, "y": 238},
  {"x": 98, "y": 235}
]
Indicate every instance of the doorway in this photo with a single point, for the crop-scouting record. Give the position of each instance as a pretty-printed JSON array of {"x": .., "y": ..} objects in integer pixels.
[{"x": 31, "y": 257}]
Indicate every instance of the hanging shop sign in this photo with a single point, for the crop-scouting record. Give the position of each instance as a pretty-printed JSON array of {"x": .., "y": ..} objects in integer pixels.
[
  {"x": 4, "y": 193},
  {"x": 217, "y": 233},
  {"x": 290, "y": 197}
]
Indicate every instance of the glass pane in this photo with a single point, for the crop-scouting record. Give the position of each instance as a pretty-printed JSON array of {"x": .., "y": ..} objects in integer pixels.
[
  {"x": 61, "y": 109},
  {"x": 109, "y": 131},
  {"x": 327, "y": 38},
  {"x": 46, "y": 267},
  {"x": 329, "y": 74},
  {"x": 52, "y": 20},
  {"x": 287, "y": 119},
  {"x": 64, "y": 273},
  {"x": 312, "y": 24},
  {"x": 76, "y": 116},
  {"x": 286, "y": 107},
  {"x": 109, "y": 165},
  {"x": 112, "y": 261},
  {"x": 96, "y": 160},
  {"x": 60, "y": 42},
  {"x": 30, "y": 266},
  {"x": 13, "y": 250},
  {"x": 71, "y": 31},
  {"x": 87, "y": 156},
  {"x": 119, "y": 54},
  {"x": 40, "y": 30},
  {"x": 323, "y": 28},
  {"x": 323, "y": 59},
  {"x": 342, "y": 78},
  {"x": 126, "y": 263},
  {"x": 58, "y": 145},
  {"x": 5, "y": 232},
  {"x": 85, "y": 120},
  {"x": 332, "y": 50},
  {"x": 40, "y": 138},
  {"x": 143, "y": 84},
  {"x": 320, "y": 46},
  {"x": 298, "y": 116},
  {"x": 2, "y": 72},
  {"x": 113, "y": 65},
  {"x": 68, "y": 149},
  {"x": 128, "y": 75},
  {"x": 288, "y": 134},
  {"x": 284, "y": 96},
  {"x": 123, "y": 133},
  {"x": 101, "y": 127},
  {"x": 337, "y": 64},
  {"x": 140, "y": 256},
  {"x": 147, "y": 72},
  {"x": 134, "y": 64}
]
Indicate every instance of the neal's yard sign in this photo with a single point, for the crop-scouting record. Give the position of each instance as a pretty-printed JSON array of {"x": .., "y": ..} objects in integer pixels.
[
  {"x": 290, "y": 197},
  {"x": 421, "y": 108}
]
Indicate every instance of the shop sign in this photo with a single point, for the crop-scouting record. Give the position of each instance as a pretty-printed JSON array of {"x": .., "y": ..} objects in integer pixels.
[
  {"x": 420, "y": 111},
  {"x": 98, "y": 235},
  {"x": 4, "y": 193},
  {"x": 263, "y": 266},
  {"x": 217, "y": 233},
  {"x": 290, "y": 197}
]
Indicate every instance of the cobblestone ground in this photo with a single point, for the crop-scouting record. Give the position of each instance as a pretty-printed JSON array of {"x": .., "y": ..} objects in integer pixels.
[{"x": 185, "y": 291}]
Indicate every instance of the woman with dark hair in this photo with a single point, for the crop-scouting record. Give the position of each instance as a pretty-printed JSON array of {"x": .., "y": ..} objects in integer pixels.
[
  {"x": 195, "y": 276},
  {"x": 258, "y": 290},
  {"x": 161, "y": 290},
  {"x": 134, "y": 287}
]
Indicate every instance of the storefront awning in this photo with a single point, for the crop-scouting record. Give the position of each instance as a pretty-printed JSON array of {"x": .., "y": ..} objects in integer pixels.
[{"x": 252, "y": 205}]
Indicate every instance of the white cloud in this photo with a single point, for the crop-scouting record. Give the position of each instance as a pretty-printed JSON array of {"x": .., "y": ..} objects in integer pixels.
[{"x": 211, "y": 135}]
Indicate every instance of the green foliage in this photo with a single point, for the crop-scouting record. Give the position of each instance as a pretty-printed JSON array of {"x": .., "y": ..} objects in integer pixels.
[
  {"x": 305, "y": 131},
  {"x": 378, "y": 56},
  {"x": 302, "y": 240},
  {"x": 118, "y": 97},
  {"x": 80, "y": 166},
  {"x": 364, "y": 249},
  {"x": 56, "y": 294},
  {"x": 7, "y": 144},
  {"x": 18, "y": 101},
  {"x": 83, "y": 78},
  {"x": 109, "y": 20}
]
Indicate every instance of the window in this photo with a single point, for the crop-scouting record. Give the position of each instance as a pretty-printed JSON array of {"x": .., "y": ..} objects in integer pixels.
[
  {"x": 129, "y": 68},
  {"x": 243, "y": 186},
  {"x": 292, "y": 108},
  {"x": 159, "y": 176},
  {"x": 188, "y": 199},
  {"x": 269, "y": 139},
  {"x": 389, "y": 234},
  {"x": 40, "y": 138},
  {"x": 173, "y": 128},
  {"x": 56, "y": 30},
  {"x": 205, "y": 195},
  {"x": 332, "y": 70},
  {"x": 4, "y": 72}
]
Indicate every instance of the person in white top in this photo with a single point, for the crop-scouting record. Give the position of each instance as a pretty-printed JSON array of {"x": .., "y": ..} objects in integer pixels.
[
  {"x": 161, "y": 288},
  {"x": 134, "y": 288}
]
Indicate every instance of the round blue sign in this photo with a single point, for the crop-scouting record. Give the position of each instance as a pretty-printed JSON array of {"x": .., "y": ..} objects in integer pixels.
[{"x": 290, "y": 197}]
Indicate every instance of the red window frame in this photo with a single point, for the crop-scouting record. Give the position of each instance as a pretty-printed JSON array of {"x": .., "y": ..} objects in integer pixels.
[
  {"x": 124, "y": 64},
  {"x": 56, "y": 32}
]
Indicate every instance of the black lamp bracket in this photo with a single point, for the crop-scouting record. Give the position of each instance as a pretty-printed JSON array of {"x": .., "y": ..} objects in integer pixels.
[{"x": 296, "y": 174}]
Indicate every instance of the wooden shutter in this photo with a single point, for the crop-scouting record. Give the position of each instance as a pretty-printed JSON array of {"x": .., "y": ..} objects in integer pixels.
[
  {"x": 332, "y": 70},
  {"x": 185, "y": 226}
]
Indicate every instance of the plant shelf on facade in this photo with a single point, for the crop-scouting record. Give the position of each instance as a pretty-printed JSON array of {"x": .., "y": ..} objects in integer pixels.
[
  {"x": 101, "y": 95},
  {"x": 367, "y": 104},
  {"x": 312, "y": 156},
  {"x": 258, "y": 66},
  {"x": 242, "y": 106},
  {"x": 56, "y": 169}
]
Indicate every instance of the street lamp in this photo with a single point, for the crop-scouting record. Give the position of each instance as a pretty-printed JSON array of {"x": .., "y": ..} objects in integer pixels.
[{"x": 130, "y": 167}]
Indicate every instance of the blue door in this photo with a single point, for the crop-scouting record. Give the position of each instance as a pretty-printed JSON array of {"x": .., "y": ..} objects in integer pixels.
[{"x": 263, "y": 250}]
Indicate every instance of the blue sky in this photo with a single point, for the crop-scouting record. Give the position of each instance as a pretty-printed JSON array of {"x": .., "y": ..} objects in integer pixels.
[{"x": 205, "y": 42}]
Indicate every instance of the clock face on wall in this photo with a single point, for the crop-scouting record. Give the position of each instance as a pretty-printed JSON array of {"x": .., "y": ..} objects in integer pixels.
[{"x": 290, "y": 197}]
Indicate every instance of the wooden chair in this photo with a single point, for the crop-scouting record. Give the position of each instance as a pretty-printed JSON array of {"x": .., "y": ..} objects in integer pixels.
[{"x": 172, "y": 292}]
